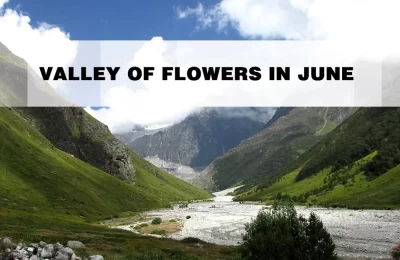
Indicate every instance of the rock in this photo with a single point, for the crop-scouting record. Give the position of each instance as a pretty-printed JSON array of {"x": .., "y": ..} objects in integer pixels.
[
  {"x": 48, "y": 251},
  {"x": 6, "y": 243},
  {"x": 75, "y": 244},
  {"x": 30, "y": 249},
  {"x": 96, "y": 257},
  {"x": 19, "y": 246},
  {"x": 19, "y": 254},
  {"x": 188, "y": 217},
  {"x": 57, "y": 246},
  {"x": 34, "y": 245},
  {"x": 34, "y": 257},
  {"x": 74, "y": 257},
  {"x": 64, "y": 254},
  {"x": 42, "y": 244}
]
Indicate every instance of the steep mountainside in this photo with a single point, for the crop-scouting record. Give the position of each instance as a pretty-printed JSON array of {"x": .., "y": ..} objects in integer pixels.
[
  {"x": 355, "y": 165},
  {"x": 136, "y": 132},
  {"x": 292, "y": 132},
  {"x": 199, "y": 139},
  {"x": 61, "y": 161}
]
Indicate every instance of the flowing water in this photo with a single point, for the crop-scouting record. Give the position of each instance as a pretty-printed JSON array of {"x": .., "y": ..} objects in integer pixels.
[{"x": 357, "y": 233}]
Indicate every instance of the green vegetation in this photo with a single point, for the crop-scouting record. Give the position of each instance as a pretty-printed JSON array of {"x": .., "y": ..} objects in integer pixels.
[
  {"x": 159, "y": 232},
  {"x": 113, "y": 244},
  {"x": 396, "y": 252},
  {"x": 160, "y": 256},
  {"x": 369, "y": 130},
  {"x": 49, "y": 195},
  {"x": 141, "y": 226},
  {"x": 156, "y": 221},
  {"x": 37, "y": 177},
  {"x": 283, "y": 234},
  {"x": 291, "y": 133},
  {"x": 356, "y": 166},
  {"x": 348, "y": 187}
]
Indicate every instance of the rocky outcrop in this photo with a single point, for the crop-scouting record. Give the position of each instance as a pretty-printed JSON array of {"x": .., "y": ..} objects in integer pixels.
[
  {"x": 70, "y": 129},
  {"x": 76, "y": 132},
  {"x": 40, "y": 251}
]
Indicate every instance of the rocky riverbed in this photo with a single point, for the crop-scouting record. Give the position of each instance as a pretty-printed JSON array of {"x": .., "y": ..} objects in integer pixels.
[
  {"x": 357, "y": 233},
  {"x": 41, "y": 250}
]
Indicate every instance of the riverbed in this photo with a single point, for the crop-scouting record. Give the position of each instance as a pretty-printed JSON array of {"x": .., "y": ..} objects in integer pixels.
[{"x": 357, "y": 233}]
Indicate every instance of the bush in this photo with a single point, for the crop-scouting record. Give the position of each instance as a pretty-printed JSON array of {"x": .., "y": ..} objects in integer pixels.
[
  {"x": 396, "y": 252},
  {"x": 283, "y": 234},
  {"x": 156, "y": 221},
  {"x": 159, "y": 232}
]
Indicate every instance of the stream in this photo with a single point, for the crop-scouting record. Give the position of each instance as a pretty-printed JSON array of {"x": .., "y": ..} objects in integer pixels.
[{"x": 357, "y": 233}]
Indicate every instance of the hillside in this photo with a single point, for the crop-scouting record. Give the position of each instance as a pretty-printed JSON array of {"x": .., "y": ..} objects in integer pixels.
[
  {"x": 356, "y": 165},
  {"x": 290, "y": 134},
  {"x": 187, "y": 147},
  {"x": 62, "y": 171},
  {"x": 63, "y": 161}
]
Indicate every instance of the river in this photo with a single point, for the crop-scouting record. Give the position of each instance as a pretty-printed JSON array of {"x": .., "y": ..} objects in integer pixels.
[{"x": 357, "y": 233}]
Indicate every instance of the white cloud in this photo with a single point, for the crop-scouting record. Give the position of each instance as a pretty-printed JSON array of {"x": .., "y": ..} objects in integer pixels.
[
  {"x": 370, "y": 24},
  {"x": 2, "y": 3},
  {"x": 41, "y": 45},
  {"x": 145, "y": 103}
]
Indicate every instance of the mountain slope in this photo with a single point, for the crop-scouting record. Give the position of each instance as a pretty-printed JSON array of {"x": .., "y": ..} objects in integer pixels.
[
  {"x": 292, "y": 132},
  {"x": 63, "y": 161},
  {"x": 356, "y": 165},
  {"x": 195, "y": 142},
  {"x": 36, "y": 176}
]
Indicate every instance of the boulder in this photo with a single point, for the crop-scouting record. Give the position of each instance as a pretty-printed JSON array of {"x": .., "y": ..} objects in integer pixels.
[
  {"x": 34, "y": 245},
  {"x": 42, "y": 244},
  {"x": 64, "y": 254},
  {"x": 96, "y": 257},
  {"x": 34, "y": 257},
  {"x": 57, "y": 246},
  {"x": 6, "y": 243},
  {"x": 75, "y": 244},
  {"x": 74, "y": 257},
  {"x": 19, "y": 246},
  {"x": 47, "y": 251}
]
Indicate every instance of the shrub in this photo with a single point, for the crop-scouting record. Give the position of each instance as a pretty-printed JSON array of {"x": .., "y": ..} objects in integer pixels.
[
  {"x": 156, "y": 221},
  {"x": 283, "y": 234},
  {"x": 141, "y": 226},
  {"x": 159, "y": 232},
  {"x": 396, "y": 252}
]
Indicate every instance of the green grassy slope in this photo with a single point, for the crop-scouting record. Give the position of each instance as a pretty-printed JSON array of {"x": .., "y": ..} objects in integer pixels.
[
  {"x": 264, "y": 155},
  {"x": 37, "y": 177},
  {"x": 356, "y": 165},
  {"x": 352, "y": 190},
  {"x": 113, "y": 244}
]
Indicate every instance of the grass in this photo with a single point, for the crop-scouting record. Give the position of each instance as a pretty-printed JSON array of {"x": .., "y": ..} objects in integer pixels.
[
  {"x": 111, "y": 243},
  {"x": 382, "y": 192},
  {"x": 357, "y": 192},
  {"x": 47, "y": 194},
  {"x": 36, "y": 176}
]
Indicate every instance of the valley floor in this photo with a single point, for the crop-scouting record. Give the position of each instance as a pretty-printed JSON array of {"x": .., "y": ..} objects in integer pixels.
[
  {"x": 358, "y": 234},
  {"x": 113, "y": 244}
]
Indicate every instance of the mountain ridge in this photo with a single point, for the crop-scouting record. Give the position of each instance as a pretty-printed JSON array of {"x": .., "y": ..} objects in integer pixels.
[
  {"x": 356, "y": 165},
  {"x": 292, "y": 132}
]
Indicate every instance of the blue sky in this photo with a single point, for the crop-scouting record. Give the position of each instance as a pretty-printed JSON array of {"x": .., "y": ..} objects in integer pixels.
[{"x": 120, "y": 19}]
